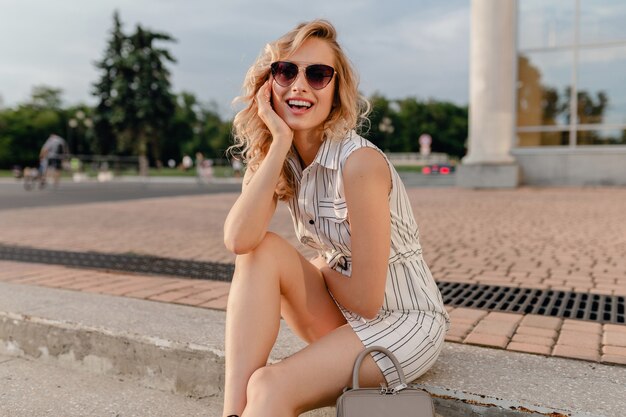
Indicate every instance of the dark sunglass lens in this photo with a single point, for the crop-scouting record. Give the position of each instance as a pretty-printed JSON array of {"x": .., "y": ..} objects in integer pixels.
[
  {"x": 284, "y": 72},
  {"x": 319, "y": 76}
]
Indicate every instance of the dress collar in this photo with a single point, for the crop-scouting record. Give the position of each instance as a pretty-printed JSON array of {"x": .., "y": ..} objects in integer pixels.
[{"x": 328, "y": 154}]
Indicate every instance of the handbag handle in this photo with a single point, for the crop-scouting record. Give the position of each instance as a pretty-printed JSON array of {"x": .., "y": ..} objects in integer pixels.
[{"x": 386, "y": 352}]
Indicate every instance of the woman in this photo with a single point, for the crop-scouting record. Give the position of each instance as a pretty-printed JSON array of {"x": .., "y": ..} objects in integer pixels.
[{"x": 368, "y": 286}]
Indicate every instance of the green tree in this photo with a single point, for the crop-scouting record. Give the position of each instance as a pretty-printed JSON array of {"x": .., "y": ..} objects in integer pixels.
[
  {"x": 215, "y": 134},
  {"x": 196, "y": 127},
  {"x": 44, "y": 97},
  {"x": 134, "y": 90},
  {"x": 106, "y": 138},
  {"x": 184, "y": 127},
  {"x": 396, "y": 125},
  {"x": 23, "y": 130},
  {"x": 383, "y": 123},
  {"x": 81, "y": 137}
]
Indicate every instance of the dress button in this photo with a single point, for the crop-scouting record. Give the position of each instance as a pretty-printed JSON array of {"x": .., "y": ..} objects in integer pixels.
[{"x": 311, "y": 222}]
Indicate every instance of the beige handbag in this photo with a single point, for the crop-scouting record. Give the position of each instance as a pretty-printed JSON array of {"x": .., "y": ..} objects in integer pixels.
[{"x": 401, "y": 401}]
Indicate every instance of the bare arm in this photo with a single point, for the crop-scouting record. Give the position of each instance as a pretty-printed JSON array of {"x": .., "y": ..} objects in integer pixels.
[
  {"x": 367, "y": 181},
  {"x": 248, "y": 219}
]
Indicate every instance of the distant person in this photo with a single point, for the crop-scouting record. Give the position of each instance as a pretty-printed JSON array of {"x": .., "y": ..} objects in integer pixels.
[
  {"x": 204, "y": 168},
  {"x": 51, "y": 157},
  {"x": 237, "y": 167},
  {"x": 187, "y": 162},
  {"x": 369, "y": 284}
]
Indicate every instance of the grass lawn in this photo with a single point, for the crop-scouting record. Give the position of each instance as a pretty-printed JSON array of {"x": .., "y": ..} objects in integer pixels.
[{"x": 408, "y": 168}]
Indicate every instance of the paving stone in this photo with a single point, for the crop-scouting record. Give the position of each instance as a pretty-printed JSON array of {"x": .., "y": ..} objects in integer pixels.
[
  {"x": 171, "y": 296},
  {"x": 615, "y": 328},
  {"x": 614, "y": 350},
  {"x": 506, "y": 317},
  {"x": 534, "y": 320},
  {"x": 537, "y": 331},
  {"x": 108, "y": 284},
  {"x": 456, "y": 339},
  {"x": 565, "y": 288},
  {"x": 533, "y": 340},
  {"x": 612, "y": 287},
  {"x": 459, "y": 329},
  {"x": 618, "y": 359},
  {"x": 134, "y": 285},
  {"x": 192, "y": 301},
  {"x": 79, "y": 285},
  {"x": 576, "y": 352},
  {"x": 500, "y": 328},
  {"x": 587, "y": 340},
  {"x": 529, "y": 348},
  {"x": 552, "y": 282},
  {"x": 600, "y": 291},
  {"x": 581, "y": 326},
  {"x": 216, "y": 304},
  {"x": 614, "y": 338},
  {"x": 487, "y": 340},
  {"x": 533, "y": 285},
  {"x": 467, "y": 314}
]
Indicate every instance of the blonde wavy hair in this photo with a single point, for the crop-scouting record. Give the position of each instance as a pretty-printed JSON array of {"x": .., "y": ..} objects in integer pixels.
[{"x": 252, "y": 138}]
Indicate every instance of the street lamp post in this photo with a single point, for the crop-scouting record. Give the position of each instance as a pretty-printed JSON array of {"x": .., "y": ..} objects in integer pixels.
[
  {"x": 386, "y": 127},
  {"x": 79, "y": 120}
]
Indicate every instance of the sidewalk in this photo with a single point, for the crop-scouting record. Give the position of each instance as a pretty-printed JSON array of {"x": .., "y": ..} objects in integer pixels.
[
  {"x": 560, "y": 239},
  {"x": 180, "y": 349},
  {"x": 41, "y": 389},
  {"x": 569, "y": 239}
]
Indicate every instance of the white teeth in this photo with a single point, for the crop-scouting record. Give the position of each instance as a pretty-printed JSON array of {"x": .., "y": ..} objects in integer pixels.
[{"x": 299, "y": 103}]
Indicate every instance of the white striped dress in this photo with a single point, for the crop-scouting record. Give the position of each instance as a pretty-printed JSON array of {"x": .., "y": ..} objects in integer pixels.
[{"x": 412, "y": 321}]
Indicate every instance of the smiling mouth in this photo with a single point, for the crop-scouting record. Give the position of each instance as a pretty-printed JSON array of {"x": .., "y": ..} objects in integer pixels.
[{"x": 299, "y": 104}]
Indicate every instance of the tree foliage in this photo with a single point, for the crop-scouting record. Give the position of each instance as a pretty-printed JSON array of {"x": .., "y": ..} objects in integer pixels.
[
  {"x": 396, "y": 125},
  {"x": 138, "y": 114},
  {"x": 25, "y": 128},
  {"x": 194, "y": 126},
  {"x": 136, "y": 105}
]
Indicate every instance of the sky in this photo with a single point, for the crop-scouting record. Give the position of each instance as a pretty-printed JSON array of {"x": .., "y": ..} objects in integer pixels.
[{"x": 401, "y": 48}]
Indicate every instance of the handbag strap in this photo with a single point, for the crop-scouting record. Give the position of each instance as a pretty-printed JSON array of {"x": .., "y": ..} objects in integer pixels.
[{"x": 386, "y": 352}]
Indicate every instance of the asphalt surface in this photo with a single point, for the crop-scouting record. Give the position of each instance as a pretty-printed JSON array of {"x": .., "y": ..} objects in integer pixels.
[{"x": 13, "y": 195}]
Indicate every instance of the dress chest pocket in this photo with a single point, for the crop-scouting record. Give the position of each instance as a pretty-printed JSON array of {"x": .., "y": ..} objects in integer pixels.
[{"x": 333, "y": 209}]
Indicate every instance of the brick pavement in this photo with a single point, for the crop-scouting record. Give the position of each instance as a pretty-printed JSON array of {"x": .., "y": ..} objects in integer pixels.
[{"x": 563, "y": 239}]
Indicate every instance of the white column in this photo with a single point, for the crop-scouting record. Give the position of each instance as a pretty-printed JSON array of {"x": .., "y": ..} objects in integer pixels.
[{"x": 492, "y": 82}]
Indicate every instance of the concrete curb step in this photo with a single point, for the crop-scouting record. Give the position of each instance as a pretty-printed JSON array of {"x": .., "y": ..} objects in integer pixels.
[{"x": 179, "y": 349}]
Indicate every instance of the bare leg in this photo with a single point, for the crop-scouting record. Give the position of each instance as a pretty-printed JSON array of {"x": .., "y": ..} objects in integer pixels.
[
  {"x": 272, "y": 279},
  {"x": 312, "y": 378}
]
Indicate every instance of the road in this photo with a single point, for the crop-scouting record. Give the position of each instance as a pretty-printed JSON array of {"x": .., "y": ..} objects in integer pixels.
[{"x": 13, "y": 195}]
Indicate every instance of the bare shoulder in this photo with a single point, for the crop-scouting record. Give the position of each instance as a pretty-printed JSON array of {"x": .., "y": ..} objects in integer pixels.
[{"x": 366, "y": 163}]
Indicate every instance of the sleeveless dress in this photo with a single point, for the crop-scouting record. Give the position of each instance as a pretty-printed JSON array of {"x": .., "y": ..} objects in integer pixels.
[{"x": 412, "y": 321}]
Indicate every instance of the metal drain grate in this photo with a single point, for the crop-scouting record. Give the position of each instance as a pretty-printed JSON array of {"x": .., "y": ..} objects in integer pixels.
[
  {"x": 573, "y": 305},
  {"x": 119, "y": 262},
  {"x": 580, "y": 306}
]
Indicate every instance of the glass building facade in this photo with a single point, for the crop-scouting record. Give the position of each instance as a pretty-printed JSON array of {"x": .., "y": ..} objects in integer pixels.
[{"x": 571, "y": 73}]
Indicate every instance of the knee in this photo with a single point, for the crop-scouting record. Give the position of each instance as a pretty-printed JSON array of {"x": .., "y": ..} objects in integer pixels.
[
  {"x": 267, "y": 391},
  {"x": 266, "y": 250}
]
